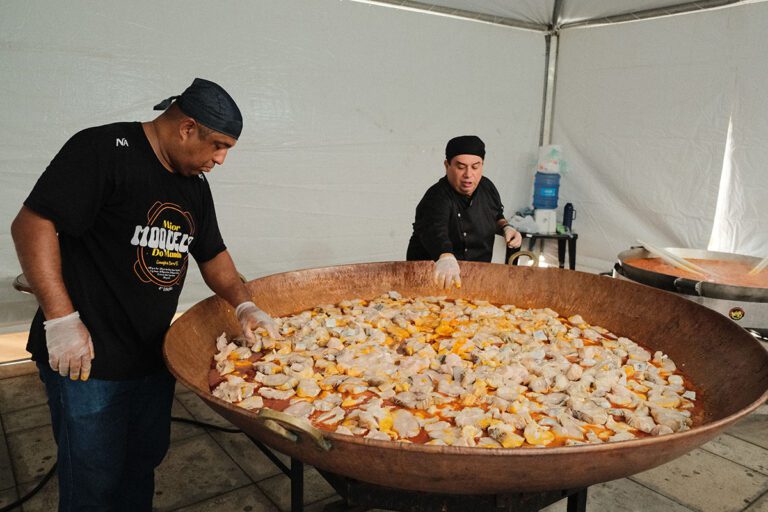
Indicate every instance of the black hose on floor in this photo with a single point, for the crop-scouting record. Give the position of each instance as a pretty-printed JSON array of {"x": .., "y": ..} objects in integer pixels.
[
  {"x": 31, "y": 493},
  {"x": 51, "y": 471},
  {"x": 204, "y": 425}
]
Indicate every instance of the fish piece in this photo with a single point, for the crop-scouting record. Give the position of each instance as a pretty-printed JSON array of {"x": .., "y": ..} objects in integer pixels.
[
  {"x": 624, "y": 400},
  {"x": 622, "y": 436},
  {"x": 553, "y": 398},
  {"x": 266, "y": 367},
  {"x": 450, "y": 388},
  {"x": 300, "y": 409},
  {"x": 640, "y": 422},
  {"x": 276, "y": 394},
  {"x": 670, "y": 418},
  {"x": 469, "y": 436},
  {"x": 405, "y": 424},
  {"x": 437, "y": 425},
  {"x": 332, "y": 417},
  {"x": 225, "y": 367},
  {"x": 252, "y": 402},
  {"x": 353, "y": 385},
  {"x": 331, "y": 382},
  {"x": 470, "y": 416},
  {"x": 505, "y": 434},
  {"x": 661, "y": 430},
  {"x": 588, "y": 411},
  {"x": 307, "y": 388},
  {"x": 379, "y": 435},
  {"x": 341, "y": 429},
  {"x": 448, "y": 435},
  {"x": 231, "y": 389},
  {"x": 574, "y": 372},
  {"x": 275, "y": 380},
  {"x": 617, "y": 426},
  {"x": 328, "y": 402},
  {"x": 539, "y": 385},
  {"x": 537, "y": 436},
  {"x": 569, "y": 427},
  {"x": 411, "y": 400}
]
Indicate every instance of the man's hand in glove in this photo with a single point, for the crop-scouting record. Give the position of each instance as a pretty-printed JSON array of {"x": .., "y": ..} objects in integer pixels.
[
  {"x": 70, "y": 349},
  {"x": 447, "y": 271},
  {"x": 512, "y": 236},
  {"x": 251, "y": 317}
]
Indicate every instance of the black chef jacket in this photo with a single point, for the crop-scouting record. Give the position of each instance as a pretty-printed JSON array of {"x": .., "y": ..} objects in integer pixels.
[{"x": 447, "y": 221}]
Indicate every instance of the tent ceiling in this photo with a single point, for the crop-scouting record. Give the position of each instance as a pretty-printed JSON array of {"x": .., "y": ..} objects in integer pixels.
[{"x": 537, "y": 14}]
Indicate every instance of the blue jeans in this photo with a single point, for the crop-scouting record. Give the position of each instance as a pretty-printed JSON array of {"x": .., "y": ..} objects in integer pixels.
[{"x": 111, "y": 435}]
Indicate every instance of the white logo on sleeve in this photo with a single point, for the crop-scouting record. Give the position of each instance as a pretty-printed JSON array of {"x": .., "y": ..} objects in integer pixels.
[{"x": 121, "y": 142}]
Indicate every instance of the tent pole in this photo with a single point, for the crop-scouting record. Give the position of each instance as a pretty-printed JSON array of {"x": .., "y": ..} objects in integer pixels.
[
  {"x": 544, "y": 130},
  {"x": 552, "y": 47}
]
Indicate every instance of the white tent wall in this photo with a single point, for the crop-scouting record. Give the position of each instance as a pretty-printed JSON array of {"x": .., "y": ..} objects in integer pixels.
[
  {"x": 642, "y": 110},
  {"x": 347, "y": 109},
  {"x": 743, "y": 208}
]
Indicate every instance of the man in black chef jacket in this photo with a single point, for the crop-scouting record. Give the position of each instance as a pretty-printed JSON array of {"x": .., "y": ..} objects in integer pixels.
[{"x": 459, "y": 215}]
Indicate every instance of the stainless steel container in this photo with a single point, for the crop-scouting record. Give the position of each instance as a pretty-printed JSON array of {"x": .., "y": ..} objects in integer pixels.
[{"x": 746, "y": 306}]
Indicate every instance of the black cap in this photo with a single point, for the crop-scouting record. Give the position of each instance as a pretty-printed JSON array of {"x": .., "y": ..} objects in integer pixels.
[
  {"x": 464, "y": 145},
  {"x": 210, "y": 105}
]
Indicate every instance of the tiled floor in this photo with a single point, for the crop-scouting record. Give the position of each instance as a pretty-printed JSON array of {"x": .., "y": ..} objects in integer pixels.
[{"x": 216, "y": 471}]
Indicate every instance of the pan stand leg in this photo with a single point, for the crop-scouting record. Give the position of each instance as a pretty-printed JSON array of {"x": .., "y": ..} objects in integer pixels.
[
  {"x": 271, "y": 456},
  {"x": 297, "y": 485},
  {"x": 578, "y": 502},
  {"x": 295, "y": 473}
]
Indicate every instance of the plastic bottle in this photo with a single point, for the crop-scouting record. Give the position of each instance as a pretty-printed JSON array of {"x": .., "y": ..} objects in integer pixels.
[{"x": 546, "y": 187}]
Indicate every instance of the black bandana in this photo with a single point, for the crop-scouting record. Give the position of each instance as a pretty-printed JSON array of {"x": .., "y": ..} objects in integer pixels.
[
  {"x": 464, "y": 145},
  {"x": 210, "y": 105}
]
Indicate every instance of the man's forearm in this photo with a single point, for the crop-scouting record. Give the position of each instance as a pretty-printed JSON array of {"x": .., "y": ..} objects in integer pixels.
[
  {"x": 222, "y": 278},
  {"x": 37, "y": 247}
]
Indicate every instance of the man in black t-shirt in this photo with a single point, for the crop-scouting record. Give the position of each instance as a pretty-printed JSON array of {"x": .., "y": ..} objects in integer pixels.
[
  {"x": 459, "y": 215},
  {"x": 104, "y": 240}
]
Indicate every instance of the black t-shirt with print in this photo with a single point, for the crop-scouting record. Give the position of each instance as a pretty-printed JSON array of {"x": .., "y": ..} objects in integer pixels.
[
  {"x": 447, "y": 221},
  {"x": 126, "y": 228}
]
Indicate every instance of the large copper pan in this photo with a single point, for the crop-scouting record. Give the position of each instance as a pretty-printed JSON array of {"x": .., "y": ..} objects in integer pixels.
[{"x": 727, "y": 365}]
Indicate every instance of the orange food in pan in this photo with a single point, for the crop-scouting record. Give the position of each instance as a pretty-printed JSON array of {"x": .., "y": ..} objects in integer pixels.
[{"x": 727, "y": 272}]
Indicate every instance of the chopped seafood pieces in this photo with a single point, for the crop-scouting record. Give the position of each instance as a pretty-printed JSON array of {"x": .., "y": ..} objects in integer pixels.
[{"x": 456, "y": 373}]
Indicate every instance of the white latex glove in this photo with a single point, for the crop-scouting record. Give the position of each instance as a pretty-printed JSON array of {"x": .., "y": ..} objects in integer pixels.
[
  {"x": 447, "y": 271},
  {"x": 250, "y": 317},
  {"x": 513, "y": 237},
  {"x": 70, "y": 348}
]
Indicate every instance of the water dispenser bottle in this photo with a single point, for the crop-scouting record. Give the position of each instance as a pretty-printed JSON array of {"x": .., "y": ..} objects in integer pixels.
[{"x": 545, "y": 190}]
